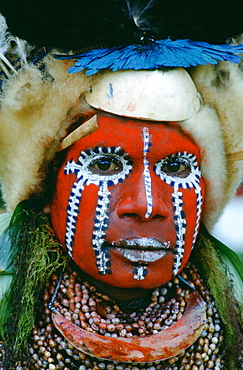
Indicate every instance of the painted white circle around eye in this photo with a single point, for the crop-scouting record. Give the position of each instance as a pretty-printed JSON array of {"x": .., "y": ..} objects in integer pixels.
[
  {"x": 189, "y": 160},
  {"x": 89, "y": 157}
]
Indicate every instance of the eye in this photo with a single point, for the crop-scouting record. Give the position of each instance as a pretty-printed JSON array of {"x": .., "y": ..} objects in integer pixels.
[
  {"x": 106, "y": 165},
  {"x": 176, "y": 167}
]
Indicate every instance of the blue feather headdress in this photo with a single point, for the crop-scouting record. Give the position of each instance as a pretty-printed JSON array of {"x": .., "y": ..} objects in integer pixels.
[
  {"x": 152, "y": 55},
  {"x": 130, "y": 34},
  {"x": 152, "y": 51}
]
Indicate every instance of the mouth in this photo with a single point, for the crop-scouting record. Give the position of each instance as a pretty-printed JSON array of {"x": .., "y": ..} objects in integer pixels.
[{"x": 143, "y": 250}]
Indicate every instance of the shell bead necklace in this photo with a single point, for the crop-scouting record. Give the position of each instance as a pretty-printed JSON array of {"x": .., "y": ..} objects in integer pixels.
[{"x": 94, "y": 311}]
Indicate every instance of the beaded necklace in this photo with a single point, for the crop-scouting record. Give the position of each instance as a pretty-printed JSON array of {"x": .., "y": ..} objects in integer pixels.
[{"x": 94, "y": 311}]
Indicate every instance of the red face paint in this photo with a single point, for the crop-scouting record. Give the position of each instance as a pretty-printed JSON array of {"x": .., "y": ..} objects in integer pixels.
[{"x": 128, "y": 202}]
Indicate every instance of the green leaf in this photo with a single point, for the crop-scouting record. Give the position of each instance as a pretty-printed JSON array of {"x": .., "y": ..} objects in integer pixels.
[
  {"x": 4, "y": 221},
  {"x": 234, "y": 269},
  {"x": 6, "y": 268},
  {"x": 7, "y": 256}
]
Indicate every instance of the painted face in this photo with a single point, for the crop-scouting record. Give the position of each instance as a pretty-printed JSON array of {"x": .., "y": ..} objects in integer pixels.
[{"x": 128, "y": 202}]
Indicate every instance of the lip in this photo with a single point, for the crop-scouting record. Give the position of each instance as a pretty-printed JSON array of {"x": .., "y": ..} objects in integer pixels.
[
  {"x": 142, "y": 249},
  {"x": 142, "y": 244}
]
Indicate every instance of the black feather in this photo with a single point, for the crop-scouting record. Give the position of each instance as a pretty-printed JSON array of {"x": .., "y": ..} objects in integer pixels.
[
  {"x": 85, "y": 24},
  {"x": 139, "y": 13}
]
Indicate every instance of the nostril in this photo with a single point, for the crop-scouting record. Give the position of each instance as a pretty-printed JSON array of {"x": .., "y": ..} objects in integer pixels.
[
  {"x": 131, "y": 215},
  {"x": 139, "y": 218},
  {"x": 158, "y": 217}
]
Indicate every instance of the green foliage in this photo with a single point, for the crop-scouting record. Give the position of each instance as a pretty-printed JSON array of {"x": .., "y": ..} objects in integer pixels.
[
  {"x": 213, "y": 260},
  {"x": 1, "y": 202},
  {"x": 36, "y": 256},
  {"x": 6, "y": 266},
  {"x": 241, "y": 257}
]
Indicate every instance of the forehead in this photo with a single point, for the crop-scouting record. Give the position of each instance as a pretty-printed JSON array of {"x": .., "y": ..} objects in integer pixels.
[{"x": 164, "y": 138}]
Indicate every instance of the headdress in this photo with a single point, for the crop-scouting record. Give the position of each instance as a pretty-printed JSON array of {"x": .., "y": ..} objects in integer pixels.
[{"x": 40, "y": 100}]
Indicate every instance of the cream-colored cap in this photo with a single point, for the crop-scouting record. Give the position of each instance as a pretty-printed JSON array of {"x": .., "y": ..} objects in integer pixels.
[{"x": 153, "y": 95}]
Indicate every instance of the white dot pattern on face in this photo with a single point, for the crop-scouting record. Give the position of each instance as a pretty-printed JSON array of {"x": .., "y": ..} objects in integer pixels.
[
  {"x": 146, "y": 173},
  {"x": 140, "y": 271},
  {"x": 192, "y": 181},
  {"x": 85, "y": 177}
]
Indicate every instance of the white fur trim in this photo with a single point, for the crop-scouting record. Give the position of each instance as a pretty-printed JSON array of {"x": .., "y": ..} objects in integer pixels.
[
  {"x": 222, "y": 88},
  {"x": 206, "y": 130},
  {"x": 35, "y": 113}
]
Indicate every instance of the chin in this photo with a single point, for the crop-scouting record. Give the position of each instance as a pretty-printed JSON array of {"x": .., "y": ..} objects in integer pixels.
[{"x": 131, "y": 280}]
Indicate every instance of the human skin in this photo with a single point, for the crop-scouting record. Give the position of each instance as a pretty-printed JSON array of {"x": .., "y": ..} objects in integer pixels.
[{"x": 147, "y": 169}]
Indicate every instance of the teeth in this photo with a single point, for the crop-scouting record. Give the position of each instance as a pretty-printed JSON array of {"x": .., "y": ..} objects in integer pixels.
[{"x": 141, "y": 255}]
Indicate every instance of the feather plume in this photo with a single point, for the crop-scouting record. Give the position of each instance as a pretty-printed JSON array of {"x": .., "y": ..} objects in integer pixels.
[
  {"x": 138, "y": 13},
  {"x": 20, "y": 49},
  {"x": 155, "y": 54},
  {"x": 4, "y": 46},
  {"x": 3, "y": 32},
  {"x": 14, "y": 45}
]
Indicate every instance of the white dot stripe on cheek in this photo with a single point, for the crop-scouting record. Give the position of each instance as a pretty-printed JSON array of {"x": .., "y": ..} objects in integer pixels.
[
  {"x": 190, "y": 182},
  {"x": 180, "y": 225},
  {"x": 146, "y": 173},
  {"x": 73, "y": 208},
  {"x": 86, "y": 177},
  {"x": 198, "y": 192},
  {"x": 100, "y": 226}
]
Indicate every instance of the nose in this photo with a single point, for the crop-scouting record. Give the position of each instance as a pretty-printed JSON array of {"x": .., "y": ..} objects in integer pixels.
[{"x": 138, "y": 203}]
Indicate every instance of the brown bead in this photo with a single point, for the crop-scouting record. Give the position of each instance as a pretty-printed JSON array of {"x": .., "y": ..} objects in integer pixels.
[
  {"x": 96, "y": 320},
  {"x": 85, "y": 308},
  {"x": 46, "y": 297},
  {"x": 52, "y": 343},
  {"x": 210, "y": 364},
  {"x": 59, "y": 356},
  {"x": 65, "y": 302},
  {"x": 75, "y": 316},
  {"x": 187, "y": 367},
  {"x": 95, "y": 327},
  {"x": 84, "y": 324},
  {"x": 105, "y": 297},
  {"x": 116, "y": 308},
  {"x": 119, "y": 327},
  {"x": 70, "y": 293},
  {"x": 40, "y": 343},
  {"x": 82, "y": 316},
  {"x": 82, "y": 356},
  {"x": 123, "y": 333},
  {"x": 92, "y": 302},
  {"x": 49, "y": 328},
  {"x": 102, "y": 325},
  {"x": 111, "y": 327},
  {"x": 128, "y": 327}
]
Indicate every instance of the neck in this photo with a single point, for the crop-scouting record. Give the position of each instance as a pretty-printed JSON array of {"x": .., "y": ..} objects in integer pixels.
[{"x": 119, "y": 294}]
